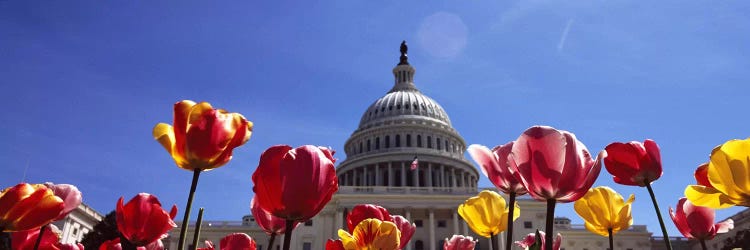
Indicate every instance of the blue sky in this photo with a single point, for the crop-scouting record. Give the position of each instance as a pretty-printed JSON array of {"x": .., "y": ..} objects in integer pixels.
[{"x": 84, "y": 83}]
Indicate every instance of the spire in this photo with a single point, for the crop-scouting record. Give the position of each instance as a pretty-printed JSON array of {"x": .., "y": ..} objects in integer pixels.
[
  {"x": 403, "y": 72},
  {"x": 404, "y": 59}
]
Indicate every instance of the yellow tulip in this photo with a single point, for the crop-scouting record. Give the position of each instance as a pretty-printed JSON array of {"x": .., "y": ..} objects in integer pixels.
[
  {"x": 602, "y": 209},
  {"x": 729, "y": 176},
  {"x": 372, "y": 234},
  {"x": 487, "y": 213}
]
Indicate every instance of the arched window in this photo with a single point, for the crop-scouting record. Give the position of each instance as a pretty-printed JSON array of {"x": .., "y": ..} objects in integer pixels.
[
  {"x": 429, "y": 141},
  {"x": 398, "y": 140},
  {"x": 419, "y": 141},
  {"x": 387, "y": 141},
  {"x": 377, "y": 143},
  {"x": 408, "y": 140}
]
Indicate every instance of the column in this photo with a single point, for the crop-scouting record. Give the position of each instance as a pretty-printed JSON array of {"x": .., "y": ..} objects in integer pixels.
[
  {"x": 378, "y": 180},
  {"x": 338, "y": 221},
  {"x": 429, "y": 174},
  {"x": 403, "y": 174},
  {"x": 465, "y": 226},
  {"x": 442, "y": 175},
  {"x": 366, "y": 176},
  {"x": 432, "y": 229},
  {"x": 390, "y": 175},
  {"x": 453, "y": 177},
  {"x": 407, "y": 214},
  {"x": 455, "y": 222},
  {"x": 415, "y": 176}
]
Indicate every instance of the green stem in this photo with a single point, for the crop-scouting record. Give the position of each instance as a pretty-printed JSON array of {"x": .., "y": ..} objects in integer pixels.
[
  {"x": 658, "y": 215},
  {"x": 186, "y": 218},
  {"x": 39, "y": 237},
  {"x": 550, "y": 224},
  {"x": 271, "y": 240},
  {"x": 611, "y": 239},
  {"x": 493, "y": 241},
  {"x": 197, "y": 232},
  {"x": 288, "y": 234},
  {"x": 703, "y": 244},
  {"x": 509, "y": 233}
]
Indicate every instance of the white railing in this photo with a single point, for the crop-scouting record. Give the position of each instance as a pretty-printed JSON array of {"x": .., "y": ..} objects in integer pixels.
[
  {"x": 406, "y": 190},
  {"x": 220, "y": 224}
]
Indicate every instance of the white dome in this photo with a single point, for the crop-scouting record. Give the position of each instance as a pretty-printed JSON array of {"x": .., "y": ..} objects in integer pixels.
[{"x": 401, "y": 103}]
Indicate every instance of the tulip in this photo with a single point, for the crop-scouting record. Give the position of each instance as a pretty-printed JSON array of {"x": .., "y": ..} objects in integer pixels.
[
  {"x": 25, "y": 207},
  {"x": 114, "y": 244},
  {"x": 459, "y": 242},
  {"x": 25, "y": 240},
  {"x": 637, "y": 164},
  {"x": 142, "y": 220},
  {"x": 494, "y": 165},
  {"x": 634, "y": 163},
  {"x": 372, "y": 234},
  {"x": 237, "y": 241},
  {"x": 334, "y": 245},
  {"x": 270, "y": 224},
  {"x": 366, "y": 211},
  {"x": 696, "y": 222},
  {"x": 209, "y": 246},
  {"x": 605, "y": 212},
  {"x": 536, "y": 241},
  {"x": 554, "y": 167},
  {"x": 295, "y": 184},
  {"x": 701, "y": 175},
  {"x": 202, "y": 138},
  {"x": 486, "y": 214},
  {"x": 70, "y": 196},
  {"x": 406, "y": 228},
  {"x": 728, "y": 179}
]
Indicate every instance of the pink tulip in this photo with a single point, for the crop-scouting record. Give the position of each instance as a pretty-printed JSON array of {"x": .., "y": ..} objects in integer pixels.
[
  {"x": 114, "y": 244},
  {"x": 237, "y": 241},
  {"x": 459, "y": 242},
  {"x": 494, "y": 165},
  {"x": 269, "y": 223},
  {"x": 209, "y": 245},
  {"x": 696, "y": 222},
  {"x": 69, "y": 194},
  {"x": 407, "y": 229},
  {"x": 530, "y": 240}
]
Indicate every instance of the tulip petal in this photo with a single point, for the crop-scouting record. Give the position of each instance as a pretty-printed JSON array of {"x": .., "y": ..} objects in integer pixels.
[
  {"x": 181, "y": 114},
  {"x": 269, "y": 187},
  {"x": 724, "y": 226},
  {"x": 366, "y": 211},
  {"x": 237, "y": 241},
  {"x": 701, "y": 175},
  {"x": 708, "y": 197}
]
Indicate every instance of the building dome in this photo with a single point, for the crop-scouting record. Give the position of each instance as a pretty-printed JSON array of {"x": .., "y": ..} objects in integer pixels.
[{"x": 403, "y": 127}]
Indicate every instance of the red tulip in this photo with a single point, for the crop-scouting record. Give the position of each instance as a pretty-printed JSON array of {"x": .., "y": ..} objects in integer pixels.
[
  {"x": 633, "y": 163},
  {"x": 530, "y": 240},
  {"x": 701, "y": 175},
  {"x": 553, "y": 164},
  {"x": 142, "y": 220},
  {"x": 70, "y": 196},
  {"x": 25, "y": 207},
  {"x": 334, "y": 245},
  {"x": 295, "y": 184},
  {"x": 366, "y": 211},
  {"x": 696, "y": 222},
  {"x": 237, "y": 241},
  {"x": 209, "y": 245},
  {"x": 459, "y": 242},
  {"x": 494, "y": 165},
  {"x": 269, "y": 223},
  {"x": 25, "y": 240},
  {"x": 202, "y": 137},
  {"x": 114, "y": 244},
  {"x": 406, "y": 228}
]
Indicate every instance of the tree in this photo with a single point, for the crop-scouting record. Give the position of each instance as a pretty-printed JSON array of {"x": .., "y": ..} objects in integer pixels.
[
  {"x": 103, "y": 231},
  {"x": 740, "y": 240}
]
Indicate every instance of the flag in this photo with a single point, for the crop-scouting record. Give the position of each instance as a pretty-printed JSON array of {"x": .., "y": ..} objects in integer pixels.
[{"x": 415, "y": 163}]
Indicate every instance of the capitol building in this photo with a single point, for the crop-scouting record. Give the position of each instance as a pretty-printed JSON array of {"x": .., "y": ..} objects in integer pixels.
[{"x": 397, "y": 127}]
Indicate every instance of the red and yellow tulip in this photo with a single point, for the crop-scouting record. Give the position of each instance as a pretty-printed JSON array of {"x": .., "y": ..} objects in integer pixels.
[
  {"x": 25, "y": 207},
  {"x": 372, "y": 234},
  {"x": 725, "y": 182}
]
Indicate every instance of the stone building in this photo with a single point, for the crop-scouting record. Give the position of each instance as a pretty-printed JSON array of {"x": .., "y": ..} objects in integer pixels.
[{"x": 78, "y": 223}]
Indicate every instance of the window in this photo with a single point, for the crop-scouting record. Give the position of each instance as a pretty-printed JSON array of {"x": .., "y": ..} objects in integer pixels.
[
  {"x": 419, "y": 141},
  {"x": 360, "y": 147},
  {"x": 398, "y": 140},
  {"x": 447, "y": 149},
  {"x": 308, "y": 223},
  {"x": 387, "y": 141},
  {"x": 419, "y": 245},
  {"x": 377, "y": 143},
  {"x": 418, "y": 223},
  {"x": 441, "y": 223},
  {"x": 527, "y": 224},
  {"x": 438, "y": 144},
  {"x": 307, "y": 246},
  {"x": 429, "y": 141},
  {"x": 408, "y": 140},
  {"x": 368, "y": 145}
]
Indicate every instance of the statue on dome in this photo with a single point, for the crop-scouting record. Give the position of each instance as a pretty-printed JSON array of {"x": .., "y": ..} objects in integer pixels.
[{"x": 404, "y": 58}]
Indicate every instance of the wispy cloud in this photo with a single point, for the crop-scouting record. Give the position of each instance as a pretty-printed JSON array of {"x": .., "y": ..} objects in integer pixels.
[{"x": 561, "y": 44}]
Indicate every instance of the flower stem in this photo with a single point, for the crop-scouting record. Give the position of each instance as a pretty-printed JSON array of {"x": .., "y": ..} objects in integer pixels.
[
  {"x": 125, "y": 244},
  {"x": 197, "y": 232},
  {"x": 39, "y": 237},
  {"x": 288, "y": 234},
  {"x": 509, "y": 233},
  {"x": 186, "y": 218},
  {"x": 271, "y": 240},
  {"x": 550, "y": 223},
  {"x": 703, "y": 244},
  {"x": 611, "y": 239},
  {"x": 658, "y": 215},
  {"x": 5, "y": 243},
  {"x": 493, "y": 240}
]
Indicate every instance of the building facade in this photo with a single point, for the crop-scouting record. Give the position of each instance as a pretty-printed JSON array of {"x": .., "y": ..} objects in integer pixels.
[
  {"x": 402, "y": 125},
  {"x": 77, "y": 223}
]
